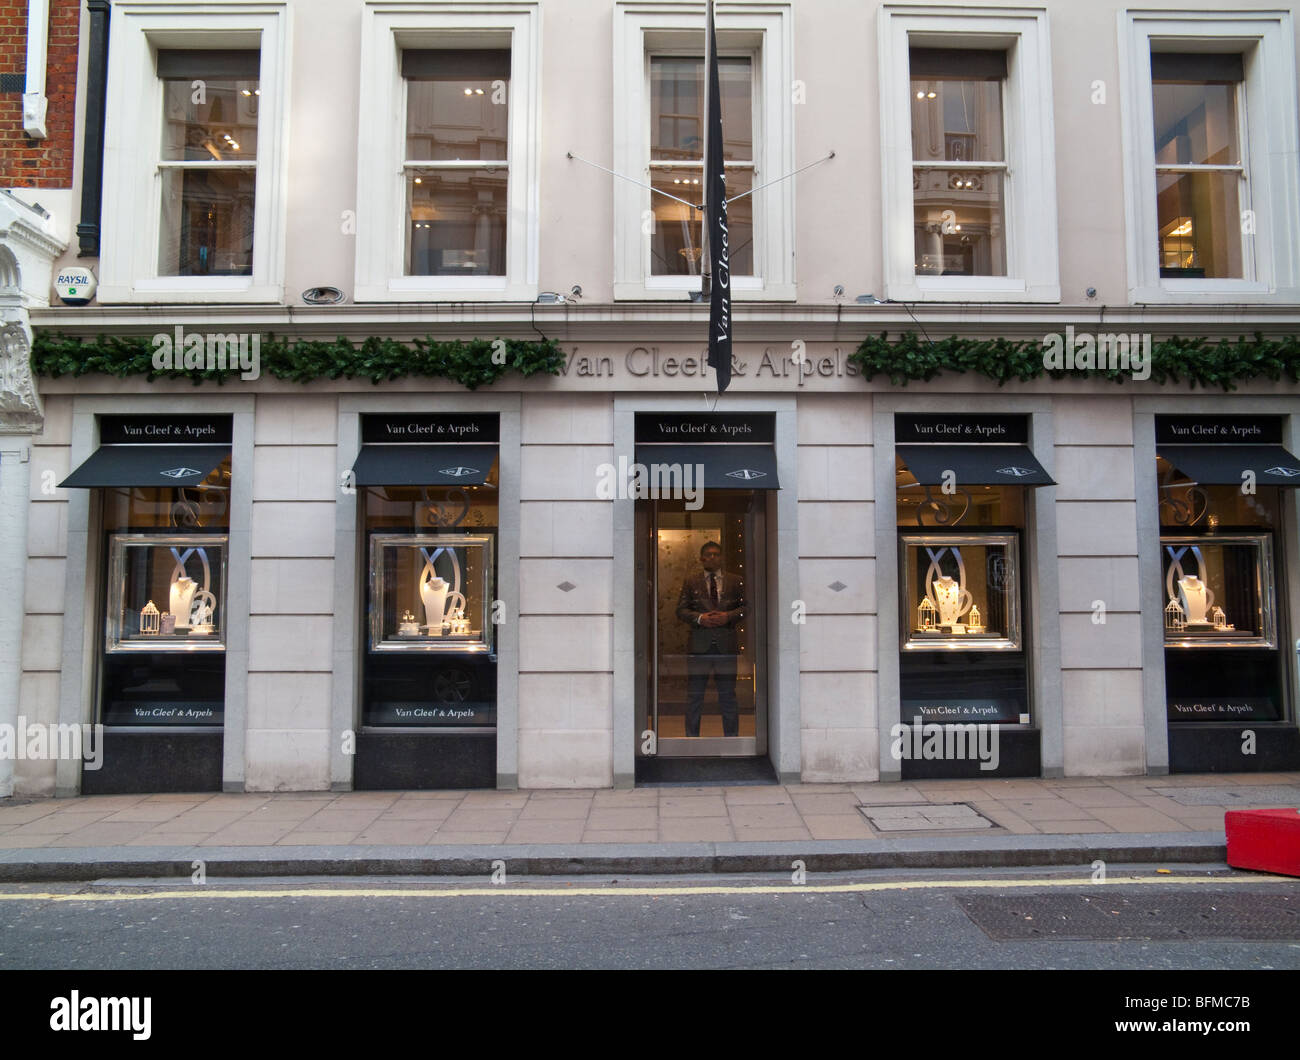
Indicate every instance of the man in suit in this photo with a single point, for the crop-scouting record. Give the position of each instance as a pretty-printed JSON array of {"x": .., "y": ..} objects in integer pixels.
[{"x": 712, "y": 603}]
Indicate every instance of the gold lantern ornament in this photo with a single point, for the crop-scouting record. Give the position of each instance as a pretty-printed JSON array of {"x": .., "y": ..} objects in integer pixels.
[
  {"x": 149, "y": 620},
  {"x": 973, "y": 620},
  {"x": 927, "y": 614}
]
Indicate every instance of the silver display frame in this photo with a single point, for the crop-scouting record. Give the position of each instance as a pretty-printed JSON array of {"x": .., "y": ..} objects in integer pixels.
[
  {"x": 912, "y": 641},
  {"x": 118, "y": 545},
  {"x": 1265, "y": 586},
  {"x": 376, "y": 640}
]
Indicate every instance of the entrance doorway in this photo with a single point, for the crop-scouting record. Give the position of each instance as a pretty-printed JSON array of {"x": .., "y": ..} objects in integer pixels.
[{"x": 701, "y": 630}]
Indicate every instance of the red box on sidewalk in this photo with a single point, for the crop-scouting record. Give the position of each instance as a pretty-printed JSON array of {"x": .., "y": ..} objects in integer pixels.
[{"x": 1266, "y": 840}]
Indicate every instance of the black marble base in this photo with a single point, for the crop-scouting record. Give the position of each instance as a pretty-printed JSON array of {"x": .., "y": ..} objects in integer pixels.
[
  {"x": 704, "y": 771},
  {"x": 419, "y": 761},
  {"x": 1019, "y": 755},
  {"x": 153, "y": 762},
  {"x": 1216, "y": 748}
]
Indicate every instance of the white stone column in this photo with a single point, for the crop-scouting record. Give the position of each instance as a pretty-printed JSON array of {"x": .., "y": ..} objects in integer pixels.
[{"x": 15, "y": 484}]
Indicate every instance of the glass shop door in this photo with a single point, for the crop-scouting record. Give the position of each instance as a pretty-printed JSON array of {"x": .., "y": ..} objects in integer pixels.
[{"x": 701, "y": 637}]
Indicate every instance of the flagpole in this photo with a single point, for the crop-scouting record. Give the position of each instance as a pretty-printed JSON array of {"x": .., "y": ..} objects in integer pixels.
[{"x": 706, "y": 247}]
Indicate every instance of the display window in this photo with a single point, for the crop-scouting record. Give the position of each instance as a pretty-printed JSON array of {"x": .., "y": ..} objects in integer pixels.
[
  {"x": 164, "y": 620},
  {"x": 1220, "y": 579},
  {"x": 961, "y": 592},
  {"x": 429, "y": 634}
]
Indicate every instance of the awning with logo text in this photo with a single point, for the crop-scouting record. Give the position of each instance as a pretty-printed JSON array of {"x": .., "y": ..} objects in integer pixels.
[
  {"x": 424, "y": 465},
  {"x": 726, "y": 467},
  {"x": 974, "y": 465},
  {"x": 1224, "y": 465},
  {"x": 168, "y": 466}
]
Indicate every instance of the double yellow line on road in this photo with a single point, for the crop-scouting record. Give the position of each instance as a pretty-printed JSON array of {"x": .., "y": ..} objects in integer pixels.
[{"x": 615, "y": 891}]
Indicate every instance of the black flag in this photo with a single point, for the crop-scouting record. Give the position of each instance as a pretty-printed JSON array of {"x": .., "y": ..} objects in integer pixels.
[{"x": 715, "y": 198}]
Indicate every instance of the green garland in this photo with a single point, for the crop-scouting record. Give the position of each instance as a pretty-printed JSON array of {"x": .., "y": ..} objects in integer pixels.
[
  {"x": 469, "y": 363},
  {"x": 1198, "y": 362}
]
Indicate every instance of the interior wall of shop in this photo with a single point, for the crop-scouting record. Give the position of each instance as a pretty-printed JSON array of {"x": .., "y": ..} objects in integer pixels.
[
  {"x": 79, "y": 641},
  {"x": 1042, "y": 626},
  {"x": 350, "y": 564},
  {"x": 1145, "y": 410},
  {"x": 784, "y": 645}
]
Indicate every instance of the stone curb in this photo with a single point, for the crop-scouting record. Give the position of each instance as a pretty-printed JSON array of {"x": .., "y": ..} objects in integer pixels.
[{"x": 935, "y": 852}]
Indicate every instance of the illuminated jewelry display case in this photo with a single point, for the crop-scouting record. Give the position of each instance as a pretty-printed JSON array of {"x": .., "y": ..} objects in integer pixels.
[
  {"x": 431, "y": 593},
  {"x": 1218, "y": 591},
  {"x": 960, "y": 592},
  {"x": 166, "y": 593}
]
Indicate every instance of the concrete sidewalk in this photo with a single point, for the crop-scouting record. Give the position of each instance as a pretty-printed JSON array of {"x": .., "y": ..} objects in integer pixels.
[{"x": 922, "y": 824}]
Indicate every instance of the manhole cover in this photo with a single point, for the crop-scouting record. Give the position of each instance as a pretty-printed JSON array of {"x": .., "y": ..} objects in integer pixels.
[
  {"x": 1107, "y": 915},
  {"x": 1259, "y": 795},
  {"x": 926, "y": 817}
]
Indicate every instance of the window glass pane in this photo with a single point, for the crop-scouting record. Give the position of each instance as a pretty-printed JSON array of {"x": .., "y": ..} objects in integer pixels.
[
  {"x": 959, "y": 222},
  {"x": 207, "y": 222},
  {"x": 677, "y": 109},
  {"x": 968, "y": 506},
  {"x": 740, "y": 221},
  {"x": 676, "y": 243},
  {"x": 1199, "y": 220},
  {"x": 1195, "y": 124},
  {"x": 957, "y": 120},
  {"x": 221, "y": 126},
  {"x": 456, "y": 222},
  {"x": 464, "y": 118}
]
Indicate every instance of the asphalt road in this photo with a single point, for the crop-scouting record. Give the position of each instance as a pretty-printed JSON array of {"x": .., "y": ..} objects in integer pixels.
[{"x": 1218, "y": 919}]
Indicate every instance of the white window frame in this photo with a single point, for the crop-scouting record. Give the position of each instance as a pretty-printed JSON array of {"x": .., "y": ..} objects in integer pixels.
[
  {"x": 1267, "y": 133},
  {"x": 761, "y": 30},
  {"x": 131, "y": 213},
  {"x": 1033, "y": 260},
  {"x": 388, "y": 26}
]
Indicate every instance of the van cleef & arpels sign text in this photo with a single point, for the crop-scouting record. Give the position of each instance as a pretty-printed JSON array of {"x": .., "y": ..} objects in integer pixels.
[{"x": 685, "y": 365}]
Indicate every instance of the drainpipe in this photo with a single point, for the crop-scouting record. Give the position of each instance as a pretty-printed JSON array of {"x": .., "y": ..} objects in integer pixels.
[
  {"x": 92, "y": 153},
  {"x": 34, "y": 101}
]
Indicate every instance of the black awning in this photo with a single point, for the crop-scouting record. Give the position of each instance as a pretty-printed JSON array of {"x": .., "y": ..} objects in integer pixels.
[
  {"x": 424, "y": 465},
  {"x": 726, "y": 467},
  {"x": 1223, "y": 465},
  {"x": 147, "y": 465},
  {"x": 975, "y": 465}
]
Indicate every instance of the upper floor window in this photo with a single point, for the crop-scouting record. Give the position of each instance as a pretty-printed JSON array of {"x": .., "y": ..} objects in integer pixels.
[
  {"x": 448, "y": 153},
  {"x": 1201, "y": 186},
  {"x": 959, "y": 168},
  {"x": 968, "y": 165},
  {"x": 457, "y": 165},
  {"x": 195, "y": 153},
  {"x": 677, "y": 161},
  {"x": 208, "y": 164},
  {"x": 1211, "y": 180},
  {"x": 659, "y": 77}
]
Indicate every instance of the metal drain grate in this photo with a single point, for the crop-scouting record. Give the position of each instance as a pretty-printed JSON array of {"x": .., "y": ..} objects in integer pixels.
[
  {"x": 1097, "y": 916},
  {"x": 1259, "y": 795},
  {"x": 926, "y": 817}
]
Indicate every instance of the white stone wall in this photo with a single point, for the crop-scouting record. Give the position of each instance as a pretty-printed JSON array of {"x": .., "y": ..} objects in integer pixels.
[
  {"x": 291, "y": 604},
  {"x": 47, "y": 550},
  {"x": 1101, "y": 662},
  {"x": 565, "y": 638},
  {"x": 837, "y": 655}
]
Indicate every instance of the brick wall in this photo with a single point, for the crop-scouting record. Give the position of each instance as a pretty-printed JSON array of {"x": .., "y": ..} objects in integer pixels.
[{"x": 25, "y": 162}]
